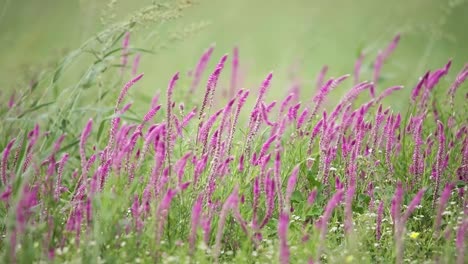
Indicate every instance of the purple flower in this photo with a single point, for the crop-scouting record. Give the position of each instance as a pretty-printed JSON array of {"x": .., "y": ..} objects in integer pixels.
[
  {"x": 312, "y": 197},
  {"x": 461, "y": 77},
  {"x": 124, "y": 91},
  {"x": 162, "y": 212},
  {"x": 379, "y": 61},
  {"x": 196, "y": 213},
  {"x": 136, "y": 63},
  {"x": 210, "y": 88},
  {"x": 396, "y": 204},
  {"x": 170, "y": 90},
  {"x": 231, "y": 203},
  {"x": 438, "y": 167},
  {"x": 413, "y": 204},
  {"x": 321, "y": 77},
  {"x": 302, "y": 118},
  {"x": 125, "y": 43},
  {"x": 240, "y": 103},
  {"x": 265, "y": 148},
  {"x": 418, "y": 87},
  {"x": 388, "y": 92},
  {"x": 442, "y": 203},
  {"x": 331, "y": 205},
  {"x": 234, "y": 72},
  {"x": 200, "y": 68},
  {"x": 357, "y": 68},
  {"x": 290, "y": 188},
  {"x": 283, "y": 225}
]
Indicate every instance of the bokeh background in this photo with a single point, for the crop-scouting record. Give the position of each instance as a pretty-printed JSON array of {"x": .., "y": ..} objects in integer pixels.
[{"x": 291, "y": 38}]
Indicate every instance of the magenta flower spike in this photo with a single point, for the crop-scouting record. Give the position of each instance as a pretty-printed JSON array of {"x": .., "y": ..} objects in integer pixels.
[
  {"x": 445, "y": 196},
  {"x": 188, "y": 118},
  {"x": 290, "y": 188},
  {"x": 270, "y": 188},
  {"x": 315, "y": 131},
  {"x": 438, "y": 167},
  {"x": 461, "y": 77},
  {"x": 285, "y": 103},
  {"x": 396, "y": 204},
  {"x": 155, "y": 99},
  {"x": 205, "y": 129},
  {"x": 234, "y": 72},
  {"x": 136, "y": 63},
  {"x": 417, "y": 166},
  {"x": 283, "y": 226},
  {"x": 320, "y": 97},
  {"x": 224, "y": 120},
  {"x": 230, "y": 204},
  {"x": 180, "y": 166},
  {"x": 210, "y": 88},
  {"x": 417, "y": 89},
  {"x": 124, "y": 91},
  {"x": 11, "y": 102},
  {"x": 162, "y": 213},
  {"x": 331, "y": 205},
  {"x": 292, "y": 112},
  {"x": 435, "y": 77},
  {"x": 388, "y": 92},
  {"x": 125, "y": 43},
  {"x": 170, "y": 90},
  {"x": 379, "y": 61},
  {"x": 256, "y": 197},
  {"x": 196, "y": 214},
  {"x": 312, "y": 197},
  {"x": 241, "y": 163},
  {"x": 302, "y": 118},
  {"x": 321, "y": 77},
  {"x": 413, "y": 204},
  {"x": 263, "y": 90},
  {"x": 265, "y": 111},
  {"x": 265, "y": 148},
  {"x": 200, "y": 68},
  {"x": 357, "y": 68},
  {"x": 277, "y": 179},
  {"x": 377, "y": 68},
  {"x": 58, "y": 144}
]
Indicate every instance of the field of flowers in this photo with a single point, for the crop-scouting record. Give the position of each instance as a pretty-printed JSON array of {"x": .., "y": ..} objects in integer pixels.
[{"x": 209, "y": 174}]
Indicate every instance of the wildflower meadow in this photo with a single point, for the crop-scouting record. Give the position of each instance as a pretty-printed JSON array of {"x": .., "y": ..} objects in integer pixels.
[{"x": 211, "y": 171}]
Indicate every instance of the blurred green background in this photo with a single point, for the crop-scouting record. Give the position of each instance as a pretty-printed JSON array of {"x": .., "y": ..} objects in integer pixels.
[{"x": 283, "y": 36}]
